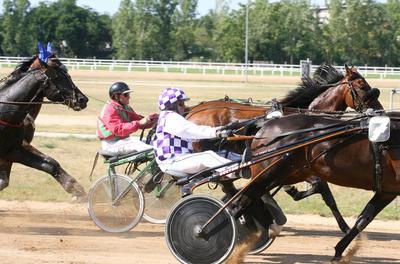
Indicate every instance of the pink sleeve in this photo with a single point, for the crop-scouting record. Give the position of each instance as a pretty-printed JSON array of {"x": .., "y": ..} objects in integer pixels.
[{"x": 114, "y": 123}]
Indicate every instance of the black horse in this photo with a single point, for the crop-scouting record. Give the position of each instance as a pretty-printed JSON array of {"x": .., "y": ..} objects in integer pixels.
[{"x": 21, "y": 96}]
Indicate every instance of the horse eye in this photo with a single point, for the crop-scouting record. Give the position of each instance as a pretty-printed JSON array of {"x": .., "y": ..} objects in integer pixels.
[{"x": 63, "y": 67}]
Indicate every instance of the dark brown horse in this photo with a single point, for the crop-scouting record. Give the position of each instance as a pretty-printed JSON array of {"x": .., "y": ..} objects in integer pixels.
[
  {"x": 21, "y": 96},
  {"x": 328, "y": 91},
  {"x": 347, "y": 160}
]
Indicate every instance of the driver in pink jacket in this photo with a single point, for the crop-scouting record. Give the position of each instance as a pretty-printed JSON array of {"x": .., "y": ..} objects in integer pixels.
[{"x": 118, "y": 120}]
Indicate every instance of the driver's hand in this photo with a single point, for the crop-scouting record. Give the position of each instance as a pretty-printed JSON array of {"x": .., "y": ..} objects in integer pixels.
[
  {"x": 144, "y": 121},
  {"x": 224, "y": 133},
  {"x": 153, "y": 117}
]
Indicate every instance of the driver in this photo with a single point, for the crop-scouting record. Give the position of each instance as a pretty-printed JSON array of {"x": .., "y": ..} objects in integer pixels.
[
  {"x": 174, "y": 135},
  {"x": 117, "y": 121}
]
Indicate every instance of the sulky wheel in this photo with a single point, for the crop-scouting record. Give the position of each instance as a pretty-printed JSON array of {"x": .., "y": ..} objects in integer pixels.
[
  {"x": 109, "y": 214},
  {"x": 160, "y": 200},
  {"x": 184, "y": 222}
]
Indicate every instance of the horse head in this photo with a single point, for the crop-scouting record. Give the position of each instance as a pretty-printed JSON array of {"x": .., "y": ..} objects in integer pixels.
[
  {"x": 58, "y": 85},
  {"x": 360, "y": 96}
]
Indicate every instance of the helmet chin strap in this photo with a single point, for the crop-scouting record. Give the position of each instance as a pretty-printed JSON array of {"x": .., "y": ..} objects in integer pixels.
[
  {"x": 115, "y": 97},
  {"x": 173, "y": 107}
]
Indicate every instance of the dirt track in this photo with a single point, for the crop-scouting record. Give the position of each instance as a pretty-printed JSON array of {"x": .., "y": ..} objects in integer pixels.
[{"x": 32, "y": 232}]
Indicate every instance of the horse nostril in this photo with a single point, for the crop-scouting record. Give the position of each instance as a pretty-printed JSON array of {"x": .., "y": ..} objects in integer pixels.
[
  {"x": 373, "y": 94},
  {"x": 82, "y": 100}
]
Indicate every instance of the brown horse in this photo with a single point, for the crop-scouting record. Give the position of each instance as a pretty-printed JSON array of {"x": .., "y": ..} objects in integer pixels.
[
  {"x": 21, "y": 96},
  {"x": 347, "y": 160},
  {"x": 329, "y": 90}
]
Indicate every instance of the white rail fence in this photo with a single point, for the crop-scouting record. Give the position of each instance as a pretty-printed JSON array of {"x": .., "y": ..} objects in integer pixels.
[{"x": 201, "y": 67}]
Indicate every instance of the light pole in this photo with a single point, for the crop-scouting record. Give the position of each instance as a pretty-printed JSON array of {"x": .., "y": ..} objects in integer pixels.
[{"x": 246, "y": 53}]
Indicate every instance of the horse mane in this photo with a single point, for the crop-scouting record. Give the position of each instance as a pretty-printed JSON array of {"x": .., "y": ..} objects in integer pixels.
[
  {"x": 310, "y": 88},
  {"x": 19, "y": 71},
  {"x": 327, "y": 74}
]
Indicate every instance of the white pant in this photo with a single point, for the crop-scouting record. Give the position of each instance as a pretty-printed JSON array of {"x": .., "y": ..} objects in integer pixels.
[
  {"x": 192, "y": 163},
  {"x": 124, "y": 146}
]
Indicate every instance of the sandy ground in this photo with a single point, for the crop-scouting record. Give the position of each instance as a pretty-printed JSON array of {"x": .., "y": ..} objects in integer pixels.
[{"x": 34, "y": 232}]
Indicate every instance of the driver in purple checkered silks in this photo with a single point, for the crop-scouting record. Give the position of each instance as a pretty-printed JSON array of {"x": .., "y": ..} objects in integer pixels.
[{"x": 174, "y": 135}]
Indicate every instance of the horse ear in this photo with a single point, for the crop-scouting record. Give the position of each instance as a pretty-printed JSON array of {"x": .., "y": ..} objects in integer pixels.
[
  {"x": 348, "y": 70},
  {"x": 52, "y": 62},
  {"x": 36, "y": 64}
]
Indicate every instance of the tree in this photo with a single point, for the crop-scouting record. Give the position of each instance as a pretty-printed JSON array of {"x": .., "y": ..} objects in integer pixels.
[
  {"x": 335, "y": 34},
  {"x": 16, "y": 29},
  {"x": 164, "y": 10},
  {"x": 124, "y": 35},
  {"x": 1, "y": 38},
  {"x": 204, "y": 45},
  {"x": 184, "y": 20},
  {"x": 229, "y": 36},
  {"x": 298, "y": 30},
  {"x": 392, "y": 39},
  {"x": 73, "y": 30},
  {"x": 282, "y": 31},
  {"x": 146, "y": 26}
]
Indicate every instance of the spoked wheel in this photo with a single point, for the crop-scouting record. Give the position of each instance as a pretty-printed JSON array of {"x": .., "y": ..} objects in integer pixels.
[
  {"x": 160, "y": 200},
  {"x": 109, "y": 214},
  {"x": 213, "y": 245},
  {"x": 253, "y": 227}
]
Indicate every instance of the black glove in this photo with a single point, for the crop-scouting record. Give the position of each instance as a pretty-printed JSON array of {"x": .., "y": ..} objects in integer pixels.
[
  {"x": 224, "y": 133},
  {"x": 232, "y": 126}
]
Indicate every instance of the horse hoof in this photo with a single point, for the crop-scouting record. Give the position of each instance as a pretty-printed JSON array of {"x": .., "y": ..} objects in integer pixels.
[
  {"x": 336, "y": 260},
  {"x": 79, "y": 199},
  {"x": 3, "y": 184},
  {"x": 274, "y": 230}
]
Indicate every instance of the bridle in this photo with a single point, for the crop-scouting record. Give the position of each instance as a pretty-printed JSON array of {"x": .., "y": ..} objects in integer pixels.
[
  {"x": 50, "y": 75},
  {"x": 357, "y": 101},
  {"x": 47, "y": 76}
]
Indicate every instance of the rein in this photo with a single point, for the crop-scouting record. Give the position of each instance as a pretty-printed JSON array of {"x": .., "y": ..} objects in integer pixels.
[
  {"x": 32, "y": 102},
  {"x": 357, "y": 105},
  {"x": 29, "y": 103},
  {"x": 242, "y": 108},
  {"x": 4, "y": 123},
  {"x": 341, "y": 125}
]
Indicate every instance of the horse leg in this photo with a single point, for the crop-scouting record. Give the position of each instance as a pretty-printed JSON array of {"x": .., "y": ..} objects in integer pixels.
[
  {"x": 321, "y": 187},
  {"x": 374, "y": 206},
  {"x": 228, "y": 188},
  {"x": 279, "y": 218},
  {"x": 5, "y": 168},
  {"x": 32, "y": 157}
]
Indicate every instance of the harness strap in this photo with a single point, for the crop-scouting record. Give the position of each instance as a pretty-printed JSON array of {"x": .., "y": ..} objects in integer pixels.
[
  {"x": 4, "y": 123},
  {"x": 377, "y": 157},
  {"x": 306, "y": 130}
]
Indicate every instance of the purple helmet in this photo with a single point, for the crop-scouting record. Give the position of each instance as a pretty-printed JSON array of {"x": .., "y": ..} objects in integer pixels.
[{"x": 170, "y": 96}]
